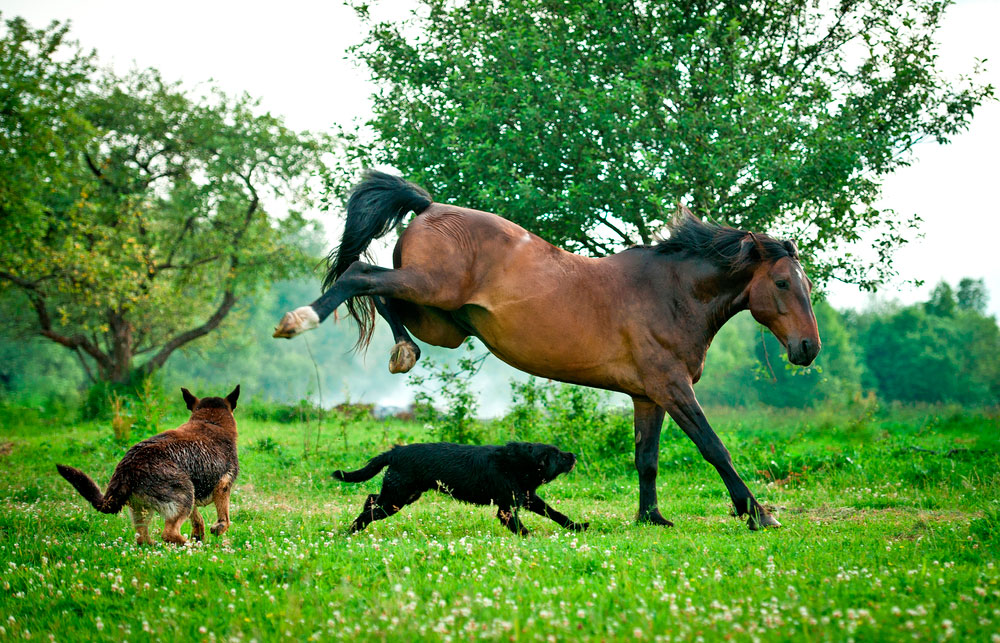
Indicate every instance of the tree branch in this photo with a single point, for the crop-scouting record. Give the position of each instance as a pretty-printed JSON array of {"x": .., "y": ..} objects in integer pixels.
[
  {"x": 37, "y": 299},
  {"x": 85, "y": 365},
  {"x": 228, "y": 300}
]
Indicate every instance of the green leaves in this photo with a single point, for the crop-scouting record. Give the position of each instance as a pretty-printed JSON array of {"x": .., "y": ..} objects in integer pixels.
[
  {"x": 588, "y": 122},
  {"x": 149, "y": 221}
]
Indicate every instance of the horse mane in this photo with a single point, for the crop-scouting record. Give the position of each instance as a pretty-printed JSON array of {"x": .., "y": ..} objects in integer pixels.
[{"x": 728, "y": 248}]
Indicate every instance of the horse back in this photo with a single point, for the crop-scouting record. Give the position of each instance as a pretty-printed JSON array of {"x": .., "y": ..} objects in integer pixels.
[{"x": 539, "y": 308}]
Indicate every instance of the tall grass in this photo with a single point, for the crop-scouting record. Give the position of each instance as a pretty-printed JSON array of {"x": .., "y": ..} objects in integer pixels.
[{"x": 889, "y": 533}]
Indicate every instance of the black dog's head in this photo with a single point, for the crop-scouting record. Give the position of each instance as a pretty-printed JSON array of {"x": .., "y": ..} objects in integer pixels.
[{"x": 539, "y": 463}]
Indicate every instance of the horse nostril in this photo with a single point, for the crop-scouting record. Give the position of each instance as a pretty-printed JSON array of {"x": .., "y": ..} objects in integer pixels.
[{"x": 806, "y": 346}]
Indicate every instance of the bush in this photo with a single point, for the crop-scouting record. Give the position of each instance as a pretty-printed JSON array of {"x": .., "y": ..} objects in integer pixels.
[
  {"x": 457, "y": 422},
  {"x": 574, "y": 418},
  {"x": 282, "y": 413}
]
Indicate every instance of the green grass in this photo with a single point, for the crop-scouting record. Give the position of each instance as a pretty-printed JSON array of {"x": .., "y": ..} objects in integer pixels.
[{"x": 881, "y": 540}]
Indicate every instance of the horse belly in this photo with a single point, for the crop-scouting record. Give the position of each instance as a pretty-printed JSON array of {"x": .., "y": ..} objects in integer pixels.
[{"x": 552, "y": 346}]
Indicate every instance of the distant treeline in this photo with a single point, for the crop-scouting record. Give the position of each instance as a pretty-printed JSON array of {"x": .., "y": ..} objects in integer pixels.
[{"x": 944, "y": 350}]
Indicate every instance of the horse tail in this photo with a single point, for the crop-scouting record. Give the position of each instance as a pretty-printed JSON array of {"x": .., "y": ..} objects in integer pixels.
[
  {"x": 107, "y": 503},
  {"x": 366, "y": 472},
  {"x": 376, "y": 205}
]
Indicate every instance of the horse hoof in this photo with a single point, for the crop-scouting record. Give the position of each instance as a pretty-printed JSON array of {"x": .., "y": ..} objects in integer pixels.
[
  {"x": 762, "y": 520},
  {"x": 404, "y": 356},
  {"x": 654, "y": 517},
  {"x": 296, "y": 322}
]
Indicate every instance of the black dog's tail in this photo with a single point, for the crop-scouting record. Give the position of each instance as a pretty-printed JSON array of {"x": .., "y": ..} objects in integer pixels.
[
  {"x": 376, "y": 205},
  {"x": 366, "y": 472},
  {"x": 107, "y": 503}
]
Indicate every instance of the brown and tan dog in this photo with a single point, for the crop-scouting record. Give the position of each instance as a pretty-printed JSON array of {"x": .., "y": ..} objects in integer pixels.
[{"x": 174, "y": 472}]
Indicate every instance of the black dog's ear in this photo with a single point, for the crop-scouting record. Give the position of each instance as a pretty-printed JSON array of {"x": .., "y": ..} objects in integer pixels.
[
  {"x": 189, "y": 399},
  {"x": 540, "y": 453},
  {"x": 232, "y": 397}
]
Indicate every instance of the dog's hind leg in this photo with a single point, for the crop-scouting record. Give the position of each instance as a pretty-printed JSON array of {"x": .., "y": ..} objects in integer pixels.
[
  {"x": 221, "y": 498},
  {"x": 379, "y": 507},
  {"x": 367, "y": 514},
  {"x": 174, "y": 501},
  {"x": 172, "y": 522},
  {"x": 141, "y": 515},
  {"x": 510, "y": 520},
  {"x": 197, "y": 525},
  {"x": 539, "y": 506}
]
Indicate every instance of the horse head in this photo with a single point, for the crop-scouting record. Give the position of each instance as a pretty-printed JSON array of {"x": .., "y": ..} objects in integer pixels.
[{"x": 780, "y": 299}]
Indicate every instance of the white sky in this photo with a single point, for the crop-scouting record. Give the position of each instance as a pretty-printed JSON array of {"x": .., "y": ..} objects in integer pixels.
[{"x": 292, "y": 56}]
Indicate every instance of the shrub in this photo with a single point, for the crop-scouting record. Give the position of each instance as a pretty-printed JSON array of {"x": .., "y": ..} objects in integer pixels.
[{"x": 457, "y": 421}]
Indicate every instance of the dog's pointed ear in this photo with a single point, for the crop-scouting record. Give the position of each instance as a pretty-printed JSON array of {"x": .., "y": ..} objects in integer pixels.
[
  {"x": 232, "y": 397},
  {"x": 189, "y": 399}
]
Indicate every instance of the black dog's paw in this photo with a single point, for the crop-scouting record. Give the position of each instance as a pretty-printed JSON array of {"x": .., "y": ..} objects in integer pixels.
[
  {"x": 338, "y": 474},
  {"x": 579, "y": 526}
]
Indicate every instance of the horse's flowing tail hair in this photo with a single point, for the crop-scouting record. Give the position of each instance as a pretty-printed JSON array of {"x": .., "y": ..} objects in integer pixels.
[
  {"x": 376, "y": 205},
  {"x": 107, "y": 503},
  {"x": 366, "y": 472}
]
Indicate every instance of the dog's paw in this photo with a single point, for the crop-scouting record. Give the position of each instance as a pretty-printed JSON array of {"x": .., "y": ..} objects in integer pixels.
[
  {"x": 220, "y": 528},
  {"x": 580, "y": 526}
]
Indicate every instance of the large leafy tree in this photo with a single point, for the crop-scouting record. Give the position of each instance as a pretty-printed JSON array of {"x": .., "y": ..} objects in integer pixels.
[
  {"x": 588, "y": 121},
  {"x": 132, "y": 213}
]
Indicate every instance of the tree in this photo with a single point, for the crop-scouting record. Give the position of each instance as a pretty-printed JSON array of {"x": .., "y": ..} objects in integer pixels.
[
  {"x": 42, "y": 80},
  {"x": 147, "y": 225},
  {"x": 972, "y": 295},
  {"x": 917, "y": 355},
  {"x": 942, "y": 302},
  {"x": 588, "y": 121}
]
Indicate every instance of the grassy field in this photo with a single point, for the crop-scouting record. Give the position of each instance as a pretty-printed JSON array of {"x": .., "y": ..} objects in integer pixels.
[{"x": 891, "y": 531}]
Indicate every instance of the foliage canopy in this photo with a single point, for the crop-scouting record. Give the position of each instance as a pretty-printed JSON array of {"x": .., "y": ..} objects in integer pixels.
[
  {"x": 589, "y": 121},
  {"x": 132, "y": 214}
]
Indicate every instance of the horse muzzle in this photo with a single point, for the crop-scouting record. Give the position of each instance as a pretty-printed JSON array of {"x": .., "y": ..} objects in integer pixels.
[{"x": 803, "y": 352}]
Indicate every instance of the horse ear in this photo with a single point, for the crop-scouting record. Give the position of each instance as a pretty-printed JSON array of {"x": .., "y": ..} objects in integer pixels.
[
  {"x": 789, "y": 246},
  {"x": 749, "y": 247},
  {"x": 189, "y": 399},
  {"x": 682, "y": 213},
  {"x": 232, "y": 397}
]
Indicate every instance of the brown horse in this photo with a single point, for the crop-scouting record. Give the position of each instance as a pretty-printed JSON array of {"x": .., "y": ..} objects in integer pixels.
[{"x": 639, "y": 322}]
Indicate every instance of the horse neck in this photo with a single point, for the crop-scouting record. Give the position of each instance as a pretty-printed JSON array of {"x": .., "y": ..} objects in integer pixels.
[
  {"x": 719, "y": 295},
  {"x": 733, "y": 298}
]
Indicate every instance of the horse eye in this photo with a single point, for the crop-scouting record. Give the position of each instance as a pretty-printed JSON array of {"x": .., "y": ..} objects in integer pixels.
[{"x": 781, "y": 284}]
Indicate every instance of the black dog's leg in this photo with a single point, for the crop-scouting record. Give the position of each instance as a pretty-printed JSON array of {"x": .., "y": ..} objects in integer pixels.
[
  {"x": 537, "y": 505},
  {"x": 367, "y": 514},
  {"x": 510, "y": 520},
  {"x": 378, "y": 507}
]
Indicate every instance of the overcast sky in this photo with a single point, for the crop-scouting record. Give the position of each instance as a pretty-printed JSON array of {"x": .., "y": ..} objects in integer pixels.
[{"x": 292, "y": 56}]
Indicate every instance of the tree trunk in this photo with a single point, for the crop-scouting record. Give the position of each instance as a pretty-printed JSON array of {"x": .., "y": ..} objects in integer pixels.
[{"x": 121, "y": 348}]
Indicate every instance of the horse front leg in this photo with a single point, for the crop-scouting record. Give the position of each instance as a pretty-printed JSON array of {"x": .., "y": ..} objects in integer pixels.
[
  {"x": 648, "y": 419},
  {"x": 683, "y": 407}
]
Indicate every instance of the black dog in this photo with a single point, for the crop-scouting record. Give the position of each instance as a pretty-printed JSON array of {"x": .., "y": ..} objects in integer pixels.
[{"x": 506, "y": 476}]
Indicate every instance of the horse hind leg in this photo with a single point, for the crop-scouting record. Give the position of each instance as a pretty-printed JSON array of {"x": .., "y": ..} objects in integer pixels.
[
  {"x": 405, "y": 353},
  {"x": 423, "y": 287},
  {"x": 648, "y": 423}
]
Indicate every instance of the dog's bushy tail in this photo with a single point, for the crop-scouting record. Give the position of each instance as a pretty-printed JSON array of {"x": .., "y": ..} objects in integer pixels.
[
  {"x": 107, "y": 503},
  {"x": 366, "y": 472}
]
